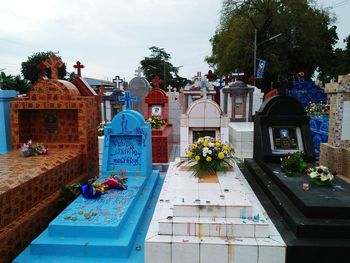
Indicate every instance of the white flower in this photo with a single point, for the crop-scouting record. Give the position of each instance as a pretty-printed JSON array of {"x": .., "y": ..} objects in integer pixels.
[
  {"x": 210, "y": 151},
  {"x": 211, "y": 144}
]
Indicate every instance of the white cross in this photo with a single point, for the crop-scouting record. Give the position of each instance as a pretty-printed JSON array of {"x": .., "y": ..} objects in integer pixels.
[
  {"x": 118, "y": 81},
  {"x": 138, "y": 72},
  {"x": 237, "y": 74}
]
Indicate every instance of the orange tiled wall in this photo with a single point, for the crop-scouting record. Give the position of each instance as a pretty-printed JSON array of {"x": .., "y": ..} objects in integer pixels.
[{"x": 32, "y": 126}]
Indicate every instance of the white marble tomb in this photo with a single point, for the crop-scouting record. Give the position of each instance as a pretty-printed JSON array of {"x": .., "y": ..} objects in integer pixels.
[{"x": 220, "y": 222}]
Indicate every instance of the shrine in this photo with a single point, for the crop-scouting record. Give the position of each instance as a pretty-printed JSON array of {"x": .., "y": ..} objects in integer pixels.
[
  {"x": 56, "y": 114},
  {"x": 203, "y": 118},
  {"x": 157, "y": 104}
]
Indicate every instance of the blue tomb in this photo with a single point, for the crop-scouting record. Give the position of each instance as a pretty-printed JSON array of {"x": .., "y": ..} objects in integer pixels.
[
  {"x": 6, "y": 96},
  {"x": 305, "y": 92},
  {"x": 110, "y": 228},
  {"x": 319, "y": 132}
]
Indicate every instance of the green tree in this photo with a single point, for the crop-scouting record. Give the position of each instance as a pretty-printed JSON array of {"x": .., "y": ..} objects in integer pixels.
[
  {"x": 307, "y": 41},
  {"x": 157, "y": 64},
  {"x": 30, "y": 68},
  {"x": 10, "y": 82},
  {"x": 338, "y": 64}
]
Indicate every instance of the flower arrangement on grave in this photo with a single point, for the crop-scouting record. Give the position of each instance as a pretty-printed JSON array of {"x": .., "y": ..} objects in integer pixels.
[
  {"x": 156, "y": 121},
  {"x": 321, "y": 175},
  {"x": 317, "y": 109},
  {"x": 32, "y": 149},
  {"x": 293, "y": 164},
  {"x": 208, "y": 155},
  {"x": 101, "y": 128},
  {"x": 94, "y": 189}
]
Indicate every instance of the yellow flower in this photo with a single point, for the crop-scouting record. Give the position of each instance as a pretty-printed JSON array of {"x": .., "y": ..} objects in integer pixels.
[
  {"x": 221, "y": 155},
  {"x": 206, "y": 143},
  {"x": 225, "y": 148},
  {"x": 217, "y": 144},
  {"x": 189, "y": 154},
  {"x": 208, "y": 159},
  {"x": 197, "y": 158},
  {"x": 193, "y": 145}
]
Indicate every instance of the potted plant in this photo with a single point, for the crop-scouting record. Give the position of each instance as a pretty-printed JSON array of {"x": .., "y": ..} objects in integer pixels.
[
  {"x": 31, "y": 149},
  {"x": 293, "y": 164}
]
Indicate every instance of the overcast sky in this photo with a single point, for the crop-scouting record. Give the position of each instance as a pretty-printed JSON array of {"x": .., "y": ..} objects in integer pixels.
[{"x": 111, "y": 37}]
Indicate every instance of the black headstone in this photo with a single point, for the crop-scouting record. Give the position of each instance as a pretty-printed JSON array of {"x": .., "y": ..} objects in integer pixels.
[{"x": 281, "y": 126}]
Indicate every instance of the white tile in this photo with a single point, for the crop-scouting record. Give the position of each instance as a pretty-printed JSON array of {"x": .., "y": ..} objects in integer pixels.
[
  {"x": 158, "y": 250},
  {"x": 211, "y": 211},
  {"x": 212, "y": 253},
  {"x": 211, "y": 122},
  {"x": 186, "y": 210},
  {"x": 185, "y": 250},
  {"x": 240, "y": 230},
  {"x": 196, "y": 122},
  {"x": 272, "y": 254},
  {"x": 242, "y": 254},
  {"x": 165, "y": 227},
  {"x": 261, "y": 230}
]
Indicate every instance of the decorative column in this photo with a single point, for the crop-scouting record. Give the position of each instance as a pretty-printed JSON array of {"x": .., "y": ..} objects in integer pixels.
[
  {"x": 6, "y": 96},
  {"x": 336, "y": 153}
]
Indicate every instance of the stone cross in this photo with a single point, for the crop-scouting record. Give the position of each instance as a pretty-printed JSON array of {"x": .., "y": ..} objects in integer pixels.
[
  {"x": 127, "y": 99},
  {"x": 198, "y": 76},
  {"x": 156, "y": 82},
  {"x": 237, "y": 74},
  {"x": 138, "y": 72},
  {"x": 78, "y": 66},
  {"x": 118, "y": 81},
  {"x": 204, "y": 92},
  {"x": 54, "y": 63}
]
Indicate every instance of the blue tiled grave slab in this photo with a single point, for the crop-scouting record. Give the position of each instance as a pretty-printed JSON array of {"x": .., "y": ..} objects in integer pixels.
[{"x": 106, "y": 226}]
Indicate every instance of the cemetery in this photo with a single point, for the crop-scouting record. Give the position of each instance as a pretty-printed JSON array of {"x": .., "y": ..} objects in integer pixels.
[{"x": 211, "y": 172}]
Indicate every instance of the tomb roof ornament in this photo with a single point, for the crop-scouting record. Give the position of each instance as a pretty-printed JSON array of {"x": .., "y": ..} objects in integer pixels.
[
  {"x": 127, "y": 99},
  {"x": 54, "y": 63},
  {"x": 78, "y": 66},
  {"x": 156, "y": 82}
]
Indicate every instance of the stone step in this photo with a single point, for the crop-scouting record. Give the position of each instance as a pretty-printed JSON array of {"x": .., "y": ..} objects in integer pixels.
[
  {"x": 218, "y": 209},
  {"x": 117, "y": 244},
  {"x": 189, "y": 249},
  {"x": 214, "y": 227}
]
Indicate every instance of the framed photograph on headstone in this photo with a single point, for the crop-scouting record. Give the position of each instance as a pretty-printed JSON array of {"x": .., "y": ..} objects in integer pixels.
[
  {"x": 156, "y": 110},
  {"x": 285, "y": 139},
  {"x": 200, "y": 134}
]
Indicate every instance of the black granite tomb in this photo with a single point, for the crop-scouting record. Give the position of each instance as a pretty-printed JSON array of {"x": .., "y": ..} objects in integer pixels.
[{"x": 314, "y": 223}]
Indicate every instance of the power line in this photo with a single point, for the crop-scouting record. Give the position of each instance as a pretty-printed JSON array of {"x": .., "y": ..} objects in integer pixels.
[{"x": 342, "y": 3}]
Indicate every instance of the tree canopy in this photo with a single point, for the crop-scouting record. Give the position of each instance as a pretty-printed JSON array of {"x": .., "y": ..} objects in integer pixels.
[
  {"x": 157, "y": 64},
  {"x": 307, "y": 40},
  {"x": 10, "y": 82},
  {"x": 30, "y": 68}
]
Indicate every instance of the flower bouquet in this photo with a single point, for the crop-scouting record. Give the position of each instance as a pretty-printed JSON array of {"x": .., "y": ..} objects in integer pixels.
[
  {"x": 30, "y": 149},
  {"x": 101, "y": 128},
  {"x": 93, "y": 189},
  {"x": 208, "y": 155},
  {"x": 293, "y": 164},
  {"x": 317, "y": 109},
  {"x": 321, "y": 175},
  {"x": 156, "y": 121}
]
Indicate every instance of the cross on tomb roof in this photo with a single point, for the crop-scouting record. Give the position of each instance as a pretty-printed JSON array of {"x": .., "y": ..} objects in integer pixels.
[
  {"x": 118, "y": 81},
  {"x": 156, "y": 82},
  {"x": 237, "y": 74},
  {"x": 54, "y": 63},
  {"x": 127, "y": 99},
  {"x": 198, "y": 76},
  {"x": 78, "y": 66},
  {"x": 138, "y": 72}
]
